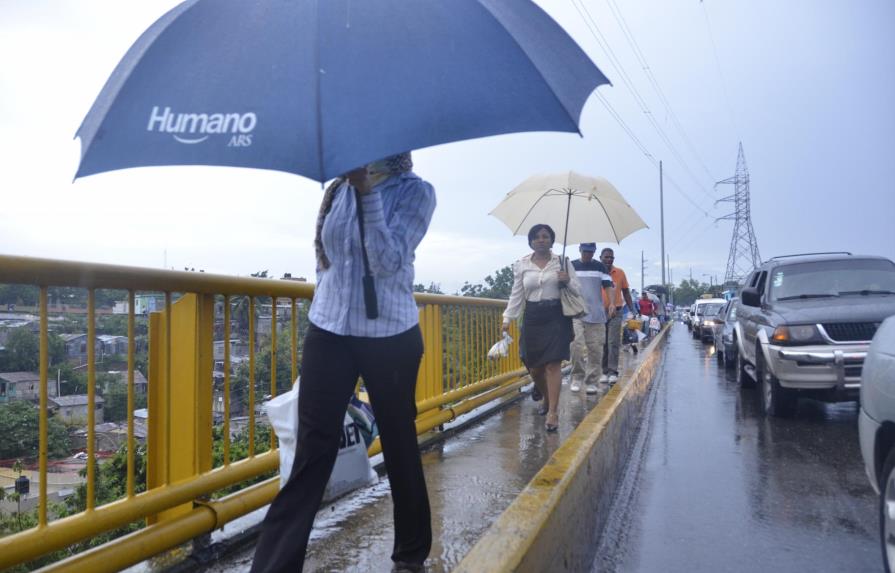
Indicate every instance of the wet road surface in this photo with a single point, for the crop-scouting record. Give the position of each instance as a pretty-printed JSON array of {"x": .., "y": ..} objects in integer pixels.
[
  {"x": 714, "y": 486},
  {"x": 472, "y": 478}
]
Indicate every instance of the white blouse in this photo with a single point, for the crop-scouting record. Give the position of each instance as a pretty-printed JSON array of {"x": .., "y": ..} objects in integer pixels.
[{"x": 532, "y": 283}]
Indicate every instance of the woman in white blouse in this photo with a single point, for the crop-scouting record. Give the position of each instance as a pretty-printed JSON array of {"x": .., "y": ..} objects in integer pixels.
[{"x": 546, "y": 333}]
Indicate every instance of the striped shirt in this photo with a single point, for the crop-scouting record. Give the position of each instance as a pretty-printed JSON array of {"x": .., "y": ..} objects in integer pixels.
[
  {"x": 594, "y": 277},
  {"x": 396, "y": 215}
]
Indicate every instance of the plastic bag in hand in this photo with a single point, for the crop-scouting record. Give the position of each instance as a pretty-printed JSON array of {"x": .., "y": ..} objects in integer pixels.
[{"x": 501, "y": 348}]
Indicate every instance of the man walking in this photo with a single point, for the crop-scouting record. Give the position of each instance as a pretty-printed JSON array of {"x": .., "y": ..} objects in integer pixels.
[
  {"x": 614, "y": 324},
  {"x": 590, "y": 330}
]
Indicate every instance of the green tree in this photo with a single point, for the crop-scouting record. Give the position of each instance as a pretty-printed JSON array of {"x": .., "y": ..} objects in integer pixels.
[
  {"x": 22, "y": 351},
  {"x": 689, "y": 290},
  {"x": 239, "y": 449},
  {"x": 19, "y": 435},
  {"x": 115, "y": 396},
  {"x": 433, "y": 288},
  {"x": 18, "y": 294},
  {"x": 73, "y": 381},
  {"x": 497, "y": 286},
  {"x": 240, "y": 380}
]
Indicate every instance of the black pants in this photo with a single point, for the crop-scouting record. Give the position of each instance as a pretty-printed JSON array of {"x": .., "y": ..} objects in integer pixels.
[{"x": 330, "y": 366}]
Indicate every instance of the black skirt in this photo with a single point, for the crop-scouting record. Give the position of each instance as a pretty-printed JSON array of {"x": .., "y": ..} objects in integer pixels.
[{"x": 546, "y": 334}]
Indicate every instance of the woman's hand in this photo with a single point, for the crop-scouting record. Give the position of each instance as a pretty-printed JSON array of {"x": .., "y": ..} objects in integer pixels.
[
  {"x": 563, "y": 277},
  {"x": 505, "y": 328},
  {"x": 358, "y": 179}
]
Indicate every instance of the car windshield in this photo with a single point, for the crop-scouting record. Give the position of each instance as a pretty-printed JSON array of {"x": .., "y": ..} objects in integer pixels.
[
  {"x": 712, "y": 309},
  {"x": 844, "y": 277}
]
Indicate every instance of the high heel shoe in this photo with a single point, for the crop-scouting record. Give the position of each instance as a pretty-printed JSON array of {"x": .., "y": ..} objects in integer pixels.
[
  {"x": 552, "y": 423},
  {"x": 543, "y": 409}
]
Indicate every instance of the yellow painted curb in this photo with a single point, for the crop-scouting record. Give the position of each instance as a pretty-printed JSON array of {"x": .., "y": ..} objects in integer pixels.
[{"x": 553, "y": 524}]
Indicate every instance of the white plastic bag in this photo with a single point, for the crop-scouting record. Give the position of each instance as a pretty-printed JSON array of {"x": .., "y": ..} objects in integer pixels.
[
  {"x": 352, "y": 469},
  {"x": 654, "y": 323},
  {"x": 501, "y": 348}
]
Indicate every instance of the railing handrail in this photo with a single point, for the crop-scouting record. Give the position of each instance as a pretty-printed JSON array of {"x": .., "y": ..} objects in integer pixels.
[
  {"x": 454, "y": 378},
  {"x": 63, "y": 273}
]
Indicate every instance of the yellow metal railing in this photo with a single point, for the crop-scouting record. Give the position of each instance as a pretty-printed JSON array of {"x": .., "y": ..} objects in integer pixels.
[{"x": 455, "y": 377}]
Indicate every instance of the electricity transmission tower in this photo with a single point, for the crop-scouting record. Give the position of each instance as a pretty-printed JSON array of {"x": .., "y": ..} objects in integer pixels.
[{"x": 743, "y": 255}]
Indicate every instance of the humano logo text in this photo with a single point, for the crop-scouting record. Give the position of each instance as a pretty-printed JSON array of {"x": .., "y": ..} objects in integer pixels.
[{"x": 192, "y": 128}]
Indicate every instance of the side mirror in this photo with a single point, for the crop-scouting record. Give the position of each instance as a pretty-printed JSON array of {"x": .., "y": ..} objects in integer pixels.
[{"x": 750, "y": 297}]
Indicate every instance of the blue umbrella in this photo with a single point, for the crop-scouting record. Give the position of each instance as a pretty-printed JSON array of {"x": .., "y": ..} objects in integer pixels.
[{"x": 318, "y": 87}]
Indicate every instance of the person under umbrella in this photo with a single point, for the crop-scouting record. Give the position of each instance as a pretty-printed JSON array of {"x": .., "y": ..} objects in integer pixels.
[
  {"x": 370, "y": 223},
  {"x": 546, "y": 332}
]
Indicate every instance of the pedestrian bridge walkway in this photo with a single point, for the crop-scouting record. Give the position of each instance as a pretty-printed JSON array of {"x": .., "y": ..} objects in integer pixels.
[
  {"x": 501, "y": 491},
  {"x": 473, "y": 476}
]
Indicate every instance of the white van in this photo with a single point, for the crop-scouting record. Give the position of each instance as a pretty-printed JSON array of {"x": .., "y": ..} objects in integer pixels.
[{"x": 705, "y": 312}]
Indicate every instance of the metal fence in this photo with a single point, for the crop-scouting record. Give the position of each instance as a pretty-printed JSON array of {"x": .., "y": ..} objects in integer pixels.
[{"x": 190, "y": 459}]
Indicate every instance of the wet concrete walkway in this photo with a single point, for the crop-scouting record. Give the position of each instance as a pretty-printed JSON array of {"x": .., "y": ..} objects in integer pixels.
[
  {"x": 472, "y": 478},
  {"x": 713, "y": 485}
]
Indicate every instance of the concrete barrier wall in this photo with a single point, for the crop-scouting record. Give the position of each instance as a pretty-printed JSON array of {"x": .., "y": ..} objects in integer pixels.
[{"x": 554, "y": 523}]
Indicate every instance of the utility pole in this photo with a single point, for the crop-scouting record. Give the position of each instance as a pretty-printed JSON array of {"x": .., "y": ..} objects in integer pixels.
[
  {"x": 662, "y": 221},
  {"x": 670, "y": 280},
  {"x": 642, "y": 270}
]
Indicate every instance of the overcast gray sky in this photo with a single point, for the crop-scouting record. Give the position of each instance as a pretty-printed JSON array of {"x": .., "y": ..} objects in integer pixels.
[{"x": 806, "y": 85}]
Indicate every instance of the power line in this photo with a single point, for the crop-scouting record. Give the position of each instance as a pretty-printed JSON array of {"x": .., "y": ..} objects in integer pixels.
[
  {"x": 646, "y": 152},
  {"x": 635, "y": 47},
  {"x": 595, "y": 31},
  {"x": 708, "y": 26}
]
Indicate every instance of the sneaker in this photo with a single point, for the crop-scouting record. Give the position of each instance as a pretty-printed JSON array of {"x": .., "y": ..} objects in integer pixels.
[
  {"x": 603, "y": 379},
  {"x": 575, "y": 387},
  {"x": 613, "y": 378},
  {"x": 591, "y": 388}
]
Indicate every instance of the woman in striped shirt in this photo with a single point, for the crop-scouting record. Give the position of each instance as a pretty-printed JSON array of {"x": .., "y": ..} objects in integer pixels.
[{"x": 344, "y": 342}]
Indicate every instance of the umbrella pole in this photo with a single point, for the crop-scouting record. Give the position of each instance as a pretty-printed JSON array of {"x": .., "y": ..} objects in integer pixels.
[{"x": 565, "y": 234}]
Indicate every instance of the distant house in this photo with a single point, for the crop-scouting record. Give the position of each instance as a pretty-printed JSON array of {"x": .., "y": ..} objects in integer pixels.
[
  {"x": 140, "y": 383},
  {"x": 76, "y": 347},
  {"x": 238, "y": 349},
  {"x": 73, "y": 409},
  {"x": 104, "y": 345},
  {"x": 144, "y": 303},
  {"x": 22, "y": 386},
  {"x": 110, "y": 344}
]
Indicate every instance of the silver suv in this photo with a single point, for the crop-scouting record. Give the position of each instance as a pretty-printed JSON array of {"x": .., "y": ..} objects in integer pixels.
[{"x": 804, "y": 324}]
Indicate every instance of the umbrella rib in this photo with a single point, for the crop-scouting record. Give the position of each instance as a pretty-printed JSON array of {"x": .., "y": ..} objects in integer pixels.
[
  {"x": 611, "y": 226},
  {"x": 530, "y": 209}
]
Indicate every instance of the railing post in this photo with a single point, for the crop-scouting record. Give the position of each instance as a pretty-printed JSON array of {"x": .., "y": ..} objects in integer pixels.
[{"x": 190, "y": 416}]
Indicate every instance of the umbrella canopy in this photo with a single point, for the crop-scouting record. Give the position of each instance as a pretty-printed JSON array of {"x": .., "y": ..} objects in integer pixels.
[
  {"x": 580, "y": 209},
  {"x": 318, "y": 87}
]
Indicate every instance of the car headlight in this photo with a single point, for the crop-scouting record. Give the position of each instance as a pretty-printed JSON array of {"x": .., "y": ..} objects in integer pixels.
[{"x": 797, "y": 335}]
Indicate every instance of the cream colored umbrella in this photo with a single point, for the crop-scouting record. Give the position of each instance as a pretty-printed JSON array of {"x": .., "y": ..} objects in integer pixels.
[{"x": 579, "y": 208}]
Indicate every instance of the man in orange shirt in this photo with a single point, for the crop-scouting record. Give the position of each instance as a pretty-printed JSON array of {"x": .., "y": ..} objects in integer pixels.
[{"x": 614, "y": 324}]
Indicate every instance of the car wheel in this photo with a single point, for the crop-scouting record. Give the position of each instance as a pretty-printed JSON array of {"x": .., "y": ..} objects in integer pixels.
[
  {"x": 730, "y": 358},
  {"x": 775, "y": 400},
  {"x": 743, "y": 378},
  {"x": 887, "y": 511}
]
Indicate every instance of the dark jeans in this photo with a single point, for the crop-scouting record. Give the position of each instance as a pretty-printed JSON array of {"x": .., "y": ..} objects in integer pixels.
[{"x": 330, "y": 366}]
